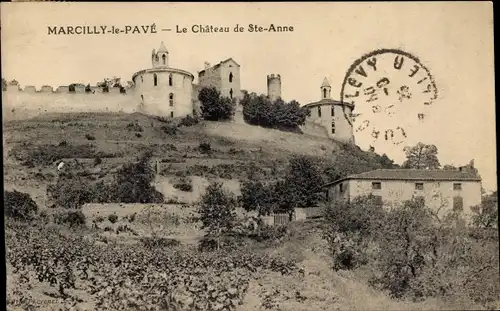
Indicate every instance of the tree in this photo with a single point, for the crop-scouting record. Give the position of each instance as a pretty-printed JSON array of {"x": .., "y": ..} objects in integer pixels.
[
  {"x": 486, "y": 214},
  {"x": 448, "y": 167},
  {"x": 255, "y": 195},
  {"x": 302, "y": 185},
  {"x": 216, "y": 209},
  {"x": 215, "y": 107},
  {"x": 4, "y": 84},
  {"x": 421, "y": 156},
  {"x": 260, "y": 110}
]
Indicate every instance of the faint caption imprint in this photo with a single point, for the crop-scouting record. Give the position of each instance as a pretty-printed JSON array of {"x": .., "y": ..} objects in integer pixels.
[{"x": 389, "y": 88}]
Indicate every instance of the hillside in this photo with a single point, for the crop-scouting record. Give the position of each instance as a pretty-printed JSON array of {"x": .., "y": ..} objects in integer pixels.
[{"x": 118, "y": 138}]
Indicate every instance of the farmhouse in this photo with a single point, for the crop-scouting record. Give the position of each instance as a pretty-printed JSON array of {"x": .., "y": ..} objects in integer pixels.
[{"x": 440, "y": 189}]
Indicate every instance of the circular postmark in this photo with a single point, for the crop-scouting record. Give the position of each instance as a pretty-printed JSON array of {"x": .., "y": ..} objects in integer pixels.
[{"x": 390, "y": 89}]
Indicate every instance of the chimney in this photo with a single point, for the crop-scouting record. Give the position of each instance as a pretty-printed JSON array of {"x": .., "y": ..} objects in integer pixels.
[{"x": 207, "y": 65}]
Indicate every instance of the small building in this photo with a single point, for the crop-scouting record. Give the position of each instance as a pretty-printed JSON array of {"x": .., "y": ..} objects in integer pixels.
[
  {"x": 334, "y": 116},
  {"x": 441, "y": 190}
]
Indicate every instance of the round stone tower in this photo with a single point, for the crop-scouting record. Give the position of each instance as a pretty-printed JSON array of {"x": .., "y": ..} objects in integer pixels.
[{"x": 274, "y": 86}]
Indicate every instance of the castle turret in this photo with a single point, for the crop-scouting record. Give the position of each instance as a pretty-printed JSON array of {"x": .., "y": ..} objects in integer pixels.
[
  {"x": 326, "y": 89},
  {"x": 274, "y": 87},
  {"x": 160, "y": 57}
]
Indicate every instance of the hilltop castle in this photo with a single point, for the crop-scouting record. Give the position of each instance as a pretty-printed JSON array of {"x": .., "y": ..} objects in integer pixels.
[{"x": 171, "y": 92}]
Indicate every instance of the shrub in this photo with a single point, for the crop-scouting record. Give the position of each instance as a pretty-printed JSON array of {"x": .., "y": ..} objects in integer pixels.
[
  {"x": 186, "y": 187},
  {"x": 134, "y": 127},
  {"x": 97, "y": 160},
  {"x": 189, "y": 121},
  {"x": 19, "y": 205},
  {"x": 205, "y": 148},
  {"x": 99, "y": 219},
  {"x": 89, "y": 137},
  {"x": 71, "y": 218},
  {"x": 170, "y": 129},
  {"x": 138, "y": 135},
  {"x": 113, "y": 218},
  {"x": 154, "y": 242}
]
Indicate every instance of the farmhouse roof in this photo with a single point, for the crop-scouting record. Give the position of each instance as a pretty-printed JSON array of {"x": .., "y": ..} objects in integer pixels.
[
  {"x": 413, "y": 174},
  {"x": 328, "y": 102},
  {"x": 222, "y": 62}
]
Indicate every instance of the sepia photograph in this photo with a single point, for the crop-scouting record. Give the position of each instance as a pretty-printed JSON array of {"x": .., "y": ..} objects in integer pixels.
[{"x": 249, "y": 156}]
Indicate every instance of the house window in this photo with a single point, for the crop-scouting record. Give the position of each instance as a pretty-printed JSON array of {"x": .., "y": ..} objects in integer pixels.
[
  {"x": 171, "y": 114},
  {"x": 376, "y": 185},
  {"x": 155, "y": 78},
  {"x": 419, "y": 186},
  {"x": 378, "y": 199},
  {"x": 164, "y": 57},
  {"x": 231, "y": 93},
  {"x": 333, "y": 127},
  {"x": 319, "y": 111},
  {"x": 333, "y": 111},
  {"x": 171, "y": 99},
  {"x": 458, "y": 204},
  {"x": 170, "y": 82},
  {"x": 230, "y": 77},
  {"x": 457, "y": 186}
]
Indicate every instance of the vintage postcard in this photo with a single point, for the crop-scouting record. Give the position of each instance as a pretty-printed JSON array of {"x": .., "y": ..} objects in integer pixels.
[{"x": 249, "y": 156}]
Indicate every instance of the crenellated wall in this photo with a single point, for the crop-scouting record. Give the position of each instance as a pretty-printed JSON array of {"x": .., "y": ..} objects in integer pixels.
[{"x": 17, "y": 104}]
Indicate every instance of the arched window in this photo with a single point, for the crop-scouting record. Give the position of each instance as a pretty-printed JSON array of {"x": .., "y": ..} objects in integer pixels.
[
  {"x": 230, "y": 77},
  {"x": 171, "y": 114},
  {"x": 171, "y": 99},
  {"x": 170, "y": 82},
  {"x": 142, "y": 98},
  {"x": 142, "y": 79},
  {"x": 164, "y": 57},
  {"x": 333, "y": 111},
  {"x": 319, "y": 111},
  {"x": 155, "y": 77},
  {"x": 324, "y": 93},
  {"x": 231, "y": 93},
  {"x": 333, "y": 127}
]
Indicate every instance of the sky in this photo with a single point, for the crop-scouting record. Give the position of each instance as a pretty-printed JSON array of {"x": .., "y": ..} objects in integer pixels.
[{"x": 454, "y": 40}]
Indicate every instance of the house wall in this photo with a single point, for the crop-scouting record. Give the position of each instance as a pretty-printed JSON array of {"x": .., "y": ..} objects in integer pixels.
[{"x": 438, "y": 195}]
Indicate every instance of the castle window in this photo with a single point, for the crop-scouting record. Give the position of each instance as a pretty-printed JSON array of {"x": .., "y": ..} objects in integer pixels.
[
  {"x": 333, "y": 127},
  {"x": 231, "y": 93},
  {"x": 333, "y": 111},
  {"x": 142, "y": 79},
  {"x": 170, "y": 82},
  {"x": 324, "y": 93},
  {"x": 155, "y": 78},
  {"x": 230, "y": 77},
  {"x": 319, "y": 111},
  {"x": 164, "y": 57},
  {"x": 171, "y": 99},
  {"x": 171, "y": 114},
  {"x": 142, "y": 98}
]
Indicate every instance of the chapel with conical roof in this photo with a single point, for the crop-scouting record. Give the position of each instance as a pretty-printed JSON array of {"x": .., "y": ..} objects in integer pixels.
[{"x": 334, "y": 116}]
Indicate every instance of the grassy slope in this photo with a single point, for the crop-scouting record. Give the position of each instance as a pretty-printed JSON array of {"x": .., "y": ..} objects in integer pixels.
[{"x": 324, "y": 289}]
